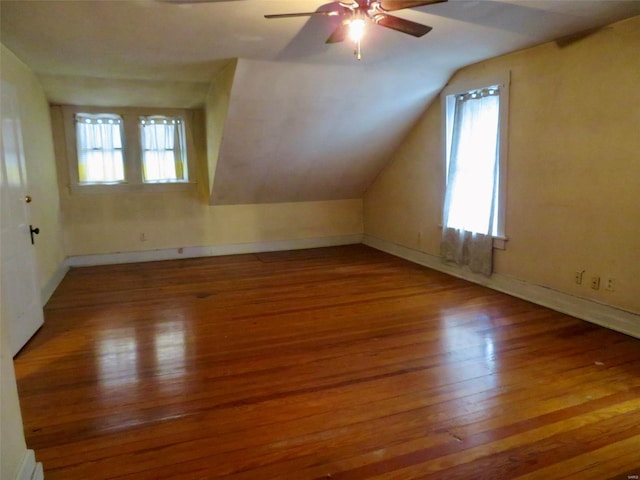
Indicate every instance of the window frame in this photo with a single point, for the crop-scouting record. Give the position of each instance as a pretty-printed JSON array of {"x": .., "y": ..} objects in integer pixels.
[
  {"x": 120, "y": 124},
  {"x": 132, "y": 149},
  {"x": 179, "y": 147},
  {"x": 447, "y": 103}
]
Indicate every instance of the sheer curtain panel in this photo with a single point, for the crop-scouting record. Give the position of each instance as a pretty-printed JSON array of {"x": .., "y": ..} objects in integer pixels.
[
  {"x": 99, "y": 145},
  {"x": 163, "y": 149},
  {"x": 471, "y": 195}
]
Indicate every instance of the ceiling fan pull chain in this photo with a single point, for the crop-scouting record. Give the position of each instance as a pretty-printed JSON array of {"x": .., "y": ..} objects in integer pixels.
[{"x": 357, "y": 51}]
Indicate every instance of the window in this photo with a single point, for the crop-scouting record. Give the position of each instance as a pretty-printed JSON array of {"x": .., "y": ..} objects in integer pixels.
[
  {"x": 163, "y": 149},
  {"x": 475, "y": 129},
  {"x": 99, "y": 144},
  {"x": 110, "y": 149}
]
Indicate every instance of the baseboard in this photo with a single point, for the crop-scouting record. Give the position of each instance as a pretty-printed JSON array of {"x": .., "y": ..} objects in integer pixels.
[
  {"x": 210, "y": 251},
  {"x": 589, "y": 310},
  {"x": 47, "y": 290},
  {"x": 38, "y": 473},
  {"x": 30, "y": 469}
]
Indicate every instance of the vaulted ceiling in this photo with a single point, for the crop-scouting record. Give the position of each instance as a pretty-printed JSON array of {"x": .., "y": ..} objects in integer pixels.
[{"x": 305, "y": 120}]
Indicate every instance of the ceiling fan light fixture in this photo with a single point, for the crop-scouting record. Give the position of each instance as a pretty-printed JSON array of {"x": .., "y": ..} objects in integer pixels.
[
  {"x": 356, "y": 29},
  {"x": 356, "y": 32},
  {"x": 357, "y": 12}
]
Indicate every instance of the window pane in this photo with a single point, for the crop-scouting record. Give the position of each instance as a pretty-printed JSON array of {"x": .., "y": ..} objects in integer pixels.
[
  {"x": 99, "y": 145},
  {"x": 159, "y": 166},
  {"x": 471, "y": 196},
  {"x": 100, "y": 166},
  {"x": 164, "y": 157}
]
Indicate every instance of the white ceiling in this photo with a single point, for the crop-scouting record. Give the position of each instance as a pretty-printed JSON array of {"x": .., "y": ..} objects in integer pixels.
[{"x": 306, "y": 120}]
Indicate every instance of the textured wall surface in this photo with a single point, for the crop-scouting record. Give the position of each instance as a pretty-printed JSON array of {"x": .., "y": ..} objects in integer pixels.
[{"x": 573, "y": 170}]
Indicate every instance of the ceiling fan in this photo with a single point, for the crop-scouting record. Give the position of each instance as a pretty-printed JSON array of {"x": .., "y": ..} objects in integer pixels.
[{"x": 356, "y": 14}]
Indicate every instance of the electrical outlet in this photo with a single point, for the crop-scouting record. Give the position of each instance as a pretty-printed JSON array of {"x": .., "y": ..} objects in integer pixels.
[
  {"x": 610, "y": 285},
  {"x": 578, "y": 277},
  {"x": 595, "y": 283}
]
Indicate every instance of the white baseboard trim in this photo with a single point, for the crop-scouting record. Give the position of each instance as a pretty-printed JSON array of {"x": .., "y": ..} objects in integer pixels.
[
  {"x": 210, "y": 251},
  {"x": 594, "y": 312},
  {"x": 30, "y": 469},
  {"x": 47, "y": 290},
  {"x": 38, "y": 473}
]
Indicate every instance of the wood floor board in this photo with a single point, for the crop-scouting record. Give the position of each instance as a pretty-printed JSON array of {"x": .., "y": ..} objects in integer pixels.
[
  {"x": 325, "y": 363},
  {"x": 594, "y": 465},
  {"x": 487, "y": 454},
  {"x": 198, "y": 402}
]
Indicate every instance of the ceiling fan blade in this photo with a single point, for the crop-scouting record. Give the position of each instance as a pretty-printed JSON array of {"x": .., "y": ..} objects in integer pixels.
[
  {"x": 330, "y": 13},
  {"x": 330, "y": 9},
  {"x": 339, "y": 34},
  {"x": 187, "y": 2},
  {"x": 402, "y": 25},
  {"x": 391, "y": 5}
]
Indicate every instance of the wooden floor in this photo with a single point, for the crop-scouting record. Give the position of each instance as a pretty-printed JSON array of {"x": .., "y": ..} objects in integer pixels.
[{"x": 340, "y": 363}]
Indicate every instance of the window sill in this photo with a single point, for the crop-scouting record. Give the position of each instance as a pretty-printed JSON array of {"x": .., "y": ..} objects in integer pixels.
[
  {"x": 156, "y": 187},
  {"x": 500, "y": 243}
]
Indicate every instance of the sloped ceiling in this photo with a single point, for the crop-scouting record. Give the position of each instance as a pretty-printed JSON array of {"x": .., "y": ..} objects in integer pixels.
[
  {"x": 305, "y": 120},
  {"x": 314, "y": 141}
]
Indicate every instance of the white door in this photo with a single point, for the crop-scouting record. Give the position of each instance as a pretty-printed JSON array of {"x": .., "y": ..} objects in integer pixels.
[{"x": 20, "y": 294}]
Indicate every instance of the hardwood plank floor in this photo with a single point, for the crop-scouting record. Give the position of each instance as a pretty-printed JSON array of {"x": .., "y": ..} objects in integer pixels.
[{"x": 337, "y": 363}]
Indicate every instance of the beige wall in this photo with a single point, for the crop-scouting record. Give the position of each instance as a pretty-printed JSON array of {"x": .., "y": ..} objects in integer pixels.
[
  {"x": 103, "y": 223},
  {"x": 573, "y": 168},
  {"x": 41, "y": 165},
  {"x": 216, "y": 108},
  {"x": 12, "y": 445},
  {"x": 99, "y": 224}
]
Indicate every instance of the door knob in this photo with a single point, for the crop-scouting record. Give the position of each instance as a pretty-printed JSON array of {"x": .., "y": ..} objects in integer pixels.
[
  {"x": 27, "y": 199},
  {"x": 33, "y": 231}
]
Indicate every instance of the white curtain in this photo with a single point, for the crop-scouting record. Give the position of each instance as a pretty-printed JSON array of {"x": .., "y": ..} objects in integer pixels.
[
  {"x": 99, "y": 144},
  {"x": 468, "y": 248},
  {"x": 470, "y": 207},
  {"x": 162, "y": 149}
]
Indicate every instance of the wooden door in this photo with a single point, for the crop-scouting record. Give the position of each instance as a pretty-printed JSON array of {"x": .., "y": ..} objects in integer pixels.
[{"x": 20, "y": 294}]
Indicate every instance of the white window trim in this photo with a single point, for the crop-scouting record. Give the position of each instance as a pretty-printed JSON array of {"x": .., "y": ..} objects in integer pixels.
[
  {"x": 131, "y": 148},
  {"x": 463, "y": 86}
]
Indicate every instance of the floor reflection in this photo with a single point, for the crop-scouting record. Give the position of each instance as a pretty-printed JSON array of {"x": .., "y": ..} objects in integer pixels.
[
  {"x": 118, "y": 357},
  {"x": 470, "y": 340},
  {"x": 489, "y": 353},
  {"x": 124, "y": 354},
  {"x": 170, "y": 350}
]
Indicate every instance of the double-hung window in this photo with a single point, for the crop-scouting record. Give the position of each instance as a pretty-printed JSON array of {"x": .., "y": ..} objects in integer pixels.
[
  {"x": 100, "y": 148},
  {"x": 164, "y": 155},
  {"x": 126, "y": 148},
  {"x": 475, "y": 130}
]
